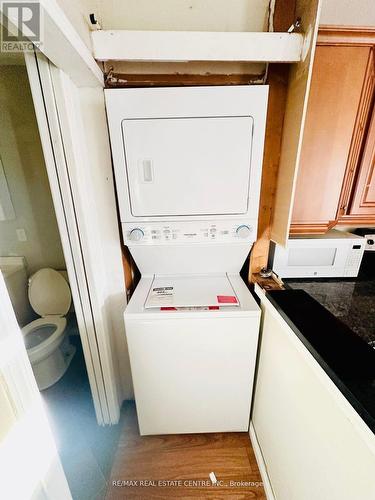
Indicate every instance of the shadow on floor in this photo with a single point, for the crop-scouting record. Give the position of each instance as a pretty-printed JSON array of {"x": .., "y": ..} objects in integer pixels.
[{"x": 85, "y": 448}]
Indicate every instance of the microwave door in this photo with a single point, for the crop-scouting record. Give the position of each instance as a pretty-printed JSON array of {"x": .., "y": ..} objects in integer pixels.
[{"x": 311, "y": 258}]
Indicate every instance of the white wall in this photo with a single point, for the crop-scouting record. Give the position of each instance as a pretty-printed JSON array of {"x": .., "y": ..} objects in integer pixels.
[
  {"x": 188, "y": 15},
  {"x": 26, "y": 174},
  {"x": 348, "y": 12},
  {"x": 78, "y": 11}
]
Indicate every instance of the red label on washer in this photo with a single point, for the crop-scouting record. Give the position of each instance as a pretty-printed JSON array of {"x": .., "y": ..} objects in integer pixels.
[{"x": 226, "y": 299}]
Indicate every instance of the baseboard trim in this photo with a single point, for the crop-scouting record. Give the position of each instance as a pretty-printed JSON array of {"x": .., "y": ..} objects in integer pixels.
[{"x": 261, "y": 464}]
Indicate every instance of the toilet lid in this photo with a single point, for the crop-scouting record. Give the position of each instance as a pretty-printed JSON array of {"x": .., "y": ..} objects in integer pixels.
[{"x": 49, "y": 293}]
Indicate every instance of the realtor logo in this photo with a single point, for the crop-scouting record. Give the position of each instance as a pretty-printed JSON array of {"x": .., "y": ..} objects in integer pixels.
[{"x": 20, "y": 26}]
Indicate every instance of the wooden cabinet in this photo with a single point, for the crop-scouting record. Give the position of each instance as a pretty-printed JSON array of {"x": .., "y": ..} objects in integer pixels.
[
  {"x": 357, "y": 201},
  {"x": 336, "y": 87},
  {"x": 333, "y": 135},
  {"x": 338, "y": 110},
  {"x": 363, "y": 202}
]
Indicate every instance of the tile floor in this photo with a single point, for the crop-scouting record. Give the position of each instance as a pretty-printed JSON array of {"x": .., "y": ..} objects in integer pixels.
[{"x": 86, "y": 449}]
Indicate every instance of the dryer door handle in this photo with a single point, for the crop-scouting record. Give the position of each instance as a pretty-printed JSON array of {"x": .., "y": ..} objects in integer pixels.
[{"x": 146, "y": 171}]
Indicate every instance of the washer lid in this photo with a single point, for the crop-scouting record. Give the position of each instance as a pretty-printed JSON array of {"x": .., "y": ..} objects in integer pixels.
[
  {"x": 49, "y": 293},
  {"x": 191, "y": 291}
]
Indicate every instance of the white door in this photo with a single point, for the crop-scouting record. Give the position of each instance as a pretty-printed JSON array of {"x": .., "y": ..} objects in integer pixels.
[
  {"x": 55, "y": 103},
  {"x": 29, "y": 464},
  {"x": 188, "y": 166},
  {"x": 187, "y": 152}
]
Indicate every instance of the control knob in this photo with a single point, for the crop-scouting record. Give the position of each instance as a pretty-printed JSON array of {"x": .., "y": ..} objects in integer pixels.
[
  {"x": 243, "y": 231},
  {"x": 136, "y": 234}
]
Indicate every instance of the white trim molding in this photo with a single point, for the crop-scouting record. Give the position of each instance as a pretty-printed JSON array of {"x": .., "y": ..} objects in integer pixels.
[
  {"x": 178, "y": 46},
  {"x": 261, "y": 464}
]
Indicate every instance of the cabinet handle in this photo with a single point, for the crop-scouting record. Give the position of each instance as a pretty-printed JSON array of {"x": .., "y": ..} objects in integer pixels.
[{"x": 344, "y": 207}]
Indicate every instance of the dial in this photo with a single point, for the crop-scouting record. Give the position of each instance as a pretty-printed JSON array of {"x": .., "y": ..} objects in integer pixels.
[
  {"x": 243, "y": 231},
  {"x": 136, "y": 234}
]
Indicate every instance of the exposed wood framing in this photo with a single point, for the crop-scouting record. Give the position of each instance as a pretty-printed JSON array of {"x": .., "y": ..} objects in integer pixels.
[
  {"x": 128, "y": 271},
  {"x": 284, "y": 16},
  {"x": 294, "y": 122},
  {"x": 272, "y": 283},
  {"x": 114, "y": 80},
  {"x": 278, "y": 82}
]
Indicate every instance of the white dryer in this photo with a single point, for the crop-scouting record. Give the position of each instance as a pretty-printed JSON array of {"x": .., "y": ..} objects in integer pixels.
[{"x": 188, "y": 169}]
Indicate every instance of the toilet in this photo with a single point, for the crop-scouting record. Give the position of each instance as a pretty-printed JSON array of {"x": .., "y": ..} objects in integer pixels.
[{"x": 47, "y": 344}]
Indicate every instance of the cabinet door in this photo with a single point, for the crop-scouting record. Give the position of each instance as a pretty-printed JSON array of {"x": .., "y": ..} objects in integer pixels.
[
  {"x": 338, "y": 77},
  {"x": 294, "y": 122},
  {"x": 364, "y": 193},
  {"x": 298, "y": 408}
]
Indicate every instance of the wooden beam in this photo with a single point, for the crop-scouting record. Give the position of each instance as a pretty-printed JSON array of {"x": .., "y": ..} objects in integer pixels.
[
  {"x": 284, "y": 16},
  {"x": 120, "y": 80},
  {"x": 294, "y": 122},
  {"x": 172, "y": 46},
  {"x": 278, "y": 82}
]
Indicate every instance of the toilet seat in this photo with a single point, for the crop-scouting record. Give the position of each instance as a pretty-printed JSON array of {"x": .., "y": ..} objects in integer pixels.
[
  {"x": 48, "y": 342},
  {"x": 46, "y": 339}
]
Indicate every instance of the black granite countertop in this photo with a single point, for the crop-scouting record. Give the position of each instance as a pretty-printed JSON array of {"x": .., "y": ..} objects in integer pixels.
[
  {"x": 352, "y": 300},
  {"x": 346, "y": 358}
]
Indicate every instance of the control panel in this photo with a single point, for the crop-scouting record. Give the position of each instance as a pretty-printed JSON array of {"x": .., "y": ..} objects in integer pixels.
[
  {"x": 354, "y": 258},
  {"x": 159, "y": 233}
]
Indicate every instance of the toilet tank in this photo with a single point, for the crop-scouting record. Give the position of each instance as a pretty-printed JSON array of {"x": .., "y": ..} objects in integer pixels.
[{"x": 15, "y": 277}]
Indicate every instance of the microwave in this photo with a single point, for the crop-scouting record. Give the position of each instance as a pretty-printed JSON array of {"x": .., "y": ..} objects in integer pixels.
[{"x": 331, "y": 255}]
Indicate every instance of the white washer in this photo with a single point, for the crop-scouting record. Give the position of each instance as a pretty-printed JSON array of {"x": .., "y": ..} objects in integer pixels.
[
  {"x": 192, "y": 368},
  {"x": 188, "y": 165}
]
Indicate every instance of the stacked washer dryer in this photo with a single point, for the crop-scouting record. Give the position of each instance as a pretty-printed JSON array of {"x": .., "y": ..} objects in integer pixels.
[{"x": 188, "y": 167}]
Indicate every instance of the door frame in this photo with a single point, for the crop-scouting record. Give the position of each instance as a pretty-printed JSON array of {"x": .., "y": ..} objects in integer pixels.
[
  {"x": 55, "y": 105},
  {"x": 54, "y": 156},
  {"x": 63, "y": 72}
]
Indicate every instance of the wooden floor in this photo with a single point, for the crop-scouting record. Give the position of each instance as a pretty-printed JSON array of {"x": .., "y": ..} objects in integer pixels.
[{"x": 183, "y": 458}]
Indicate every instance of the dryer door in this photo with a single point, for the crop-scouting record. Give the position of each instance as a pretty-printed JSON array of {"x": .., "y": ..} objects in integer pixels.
[{"x": 188, "y": 166}]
